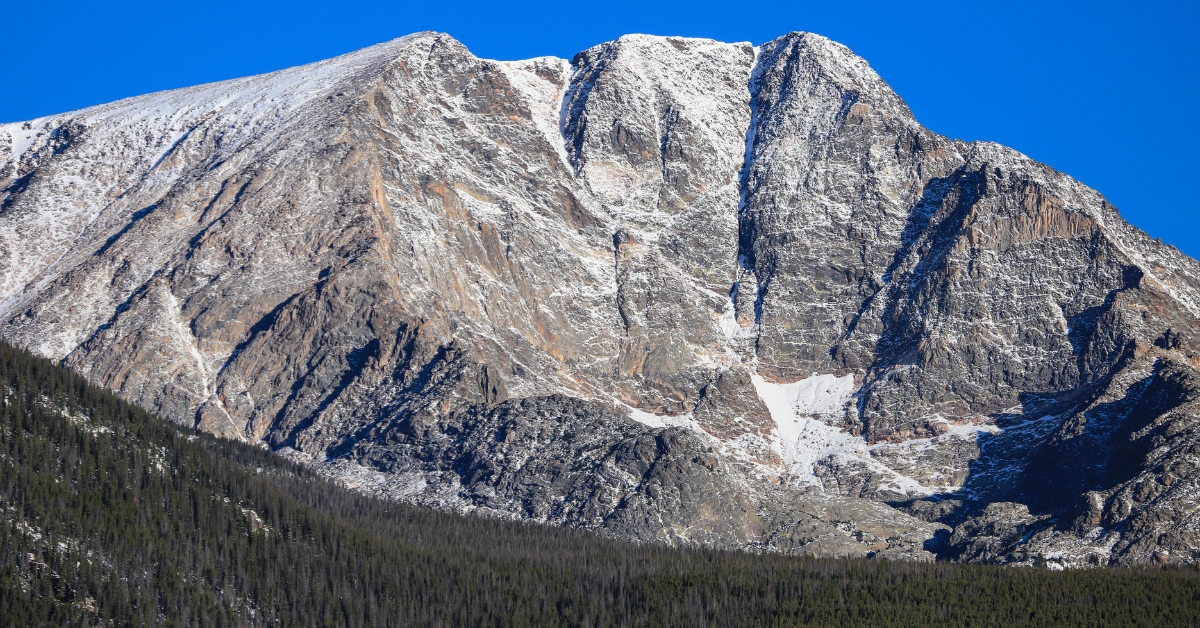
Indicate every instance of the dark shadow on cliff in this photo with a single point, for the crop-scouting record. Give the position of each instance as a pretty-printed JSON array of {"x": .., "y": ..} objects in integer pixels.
[
  {"x": 354, "y": 363},
  {"x": 1052, "y": 455},
  {"x": 933, "y": 198}
]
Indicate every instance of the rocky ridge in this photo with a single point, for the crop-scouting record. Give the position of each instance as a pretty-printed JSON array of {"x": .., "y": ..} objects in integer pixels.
[{"x": 672, "y": 289}]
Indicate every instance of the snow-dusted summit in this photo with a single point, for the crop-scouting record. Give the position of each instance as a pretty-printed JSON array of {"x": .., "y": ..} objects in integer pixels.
[{"x": 672, "y": 289}]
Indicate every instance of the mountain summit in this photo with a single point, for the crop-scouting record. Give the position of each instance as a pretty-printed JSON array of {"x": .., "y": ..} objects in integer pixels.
[{"x": 672, "y": 290}]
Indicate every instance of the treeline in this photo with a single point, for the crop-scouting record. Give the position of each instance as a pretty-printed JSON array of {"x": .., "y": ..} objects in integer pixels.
[{"x": 113, "y": 517}]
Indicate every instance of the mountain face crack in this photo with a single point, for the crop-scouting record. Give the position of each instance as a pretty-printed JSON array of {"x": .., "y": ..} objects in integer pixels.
[{"x": 745, "y": 255}]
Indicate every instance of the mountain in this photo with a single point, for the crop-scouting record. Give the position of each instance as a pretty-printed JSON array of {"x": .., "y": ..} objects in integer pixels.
[
  {"x": 110, "y": 516},
  {"x": 671, "y": 290}
]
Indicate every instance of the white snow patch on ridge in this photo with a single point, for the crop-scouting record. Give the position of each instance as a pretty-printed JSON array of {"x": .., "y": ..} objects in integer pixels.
[
  {"x": 19, "y": 139},
  {"x": 652, "y": 420},
  {"x": 545, "y": 98},
  {"x": 797, "y": 409}
]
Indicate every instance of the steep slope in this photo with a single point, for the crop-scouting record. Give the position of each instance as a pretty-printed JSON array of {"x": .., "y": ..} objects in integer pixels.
[
  {"x": 673, "y": 289},
  {"x": 111, "y": 516},
  {"x": 968, "y": 285}
]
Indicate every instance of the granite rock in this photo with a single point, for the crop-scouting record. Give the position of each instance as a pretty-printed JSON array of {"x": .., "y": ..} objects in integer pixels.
[{"x": 673, "y": 290}]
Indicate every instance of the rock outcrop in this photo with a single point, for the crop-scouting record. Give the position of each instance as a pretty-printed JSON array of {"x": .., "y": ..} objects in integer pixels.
[{"x": 672, "y": 290}]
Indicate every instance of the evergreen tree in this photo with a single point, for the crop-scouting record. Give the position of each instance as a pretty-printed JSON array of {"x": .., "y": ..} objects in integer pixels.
[{"x": 110, "y": 516}]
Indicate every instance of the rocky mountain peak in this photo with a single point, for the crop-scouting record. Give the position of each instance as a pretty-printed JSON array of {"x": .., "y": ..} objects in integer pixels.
[{"x": 673, "y": 289}]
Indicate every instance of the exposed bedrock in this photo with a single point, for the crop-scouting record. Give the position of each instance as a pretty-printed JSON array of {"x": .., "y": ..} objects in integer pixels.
[{"x": 672, "y": 290}]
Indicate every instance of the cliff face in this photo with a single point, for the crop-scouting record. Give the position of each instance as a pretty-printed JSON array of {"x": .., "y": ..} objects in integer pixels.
[{"x": 673, "y": 289}]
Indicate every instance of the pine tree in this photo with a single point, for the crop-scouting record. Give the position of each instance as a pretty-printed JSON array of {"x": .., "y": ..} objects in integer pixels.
[{"x": 110, "y": 516}]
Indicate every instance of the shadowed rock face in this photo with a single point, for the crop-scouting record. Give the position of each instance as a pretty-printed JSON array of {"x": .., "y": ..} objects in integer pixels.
[{"x": 672, "y": 290}]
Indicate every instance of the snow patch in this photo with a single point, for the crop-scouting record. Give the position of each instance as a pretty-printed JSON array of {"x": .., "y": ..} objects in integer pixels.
[
  {"x": 728, "y": 321},
  {"x": 544, "y": 97},
  {"x": 21, "y": 136},
  {"x": 819, "y": 394},
  {"x": 802, "y": 437},
  {"x": 663, "y": 420}
]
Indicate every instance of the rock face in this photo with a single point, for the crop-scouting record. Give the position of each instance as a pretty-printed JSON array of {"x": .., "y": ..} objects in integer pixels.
[{"x": 672, "y": 290}]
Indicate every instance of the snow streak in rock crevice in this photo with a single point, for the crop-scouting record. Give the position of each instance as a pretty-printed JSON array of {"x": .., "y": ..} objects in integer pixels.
[{"x": 746, "y": 262}]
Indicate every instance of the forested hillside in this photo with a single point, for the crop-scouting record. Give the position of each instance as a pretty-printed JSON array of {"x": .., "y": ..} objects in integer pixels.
[{"x": 111, "y": 516}]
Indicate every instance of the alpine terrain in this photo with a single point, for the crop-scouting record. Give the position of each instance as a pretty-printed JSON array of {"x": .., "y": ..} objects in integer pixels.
[{"x": 671, "y": 290}]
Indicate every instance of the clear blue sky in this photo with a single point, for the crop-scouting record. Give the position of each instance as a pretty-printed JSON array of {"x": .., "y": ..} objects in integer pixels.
[{"x": 1104, "y": 91}]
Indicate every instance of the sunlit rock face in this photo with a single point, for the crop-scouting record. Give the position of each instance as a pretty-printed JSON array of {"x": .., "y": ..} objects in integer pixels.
[{"x": 671, "y": 290}]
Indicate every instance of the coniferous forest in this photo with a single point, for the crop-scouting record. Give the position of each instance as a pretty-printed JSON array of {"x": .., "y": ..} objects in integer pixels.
[{"x": 113, "y": 517}]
